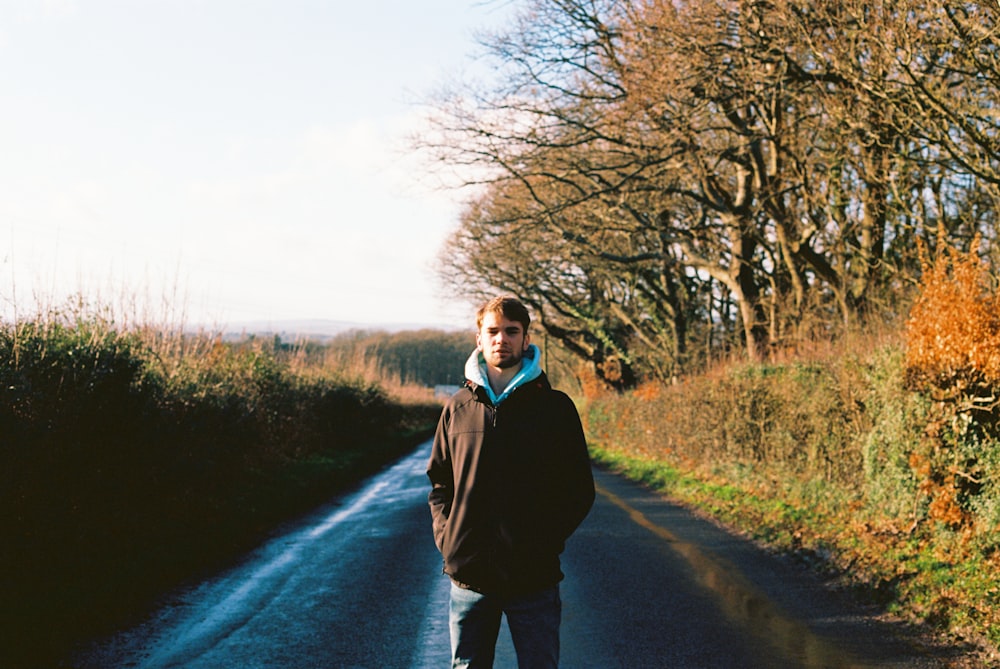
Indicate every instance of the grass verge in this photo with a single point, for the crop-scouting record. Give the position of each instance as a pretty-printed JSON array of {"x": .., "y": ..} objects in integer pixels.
[{"x": 947, "y": 582}]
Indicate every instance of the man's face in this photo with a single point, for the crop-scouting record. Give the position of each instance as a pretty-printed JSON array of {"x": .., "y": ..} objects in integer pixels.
[{"x": 502, "y": 341}]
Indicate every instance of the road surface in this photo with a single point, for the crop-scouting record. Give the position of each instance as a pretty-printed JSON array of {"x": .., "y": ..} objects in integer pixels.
[{"x": 359, "y": 584}]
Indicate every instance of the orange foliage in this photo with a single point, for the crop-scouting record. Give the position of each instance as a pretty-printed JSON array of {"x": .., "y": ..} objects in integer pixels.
[
  {"x": 944, "y": 507},
  {"x": 648, "y": 391},
  {"x": 953, "y": 332},
  {"x": 953, "y": 347},
  {"x": 943, "y": 494},
  {"x": 590, "y": 385},
  {"x": 921, "y": 466}
]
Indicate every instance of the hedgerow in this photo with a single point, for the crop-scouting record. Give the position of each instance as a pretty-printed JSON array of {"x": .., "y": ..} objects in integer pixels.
[
  {"x": 881, "y": 464},
  {"x": 134, "y": 458}
]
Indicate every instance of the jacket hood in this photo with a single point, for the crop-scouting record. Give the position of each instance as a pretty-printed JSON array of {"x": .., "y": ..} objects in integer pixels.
[{"x": 531, "y": 369}]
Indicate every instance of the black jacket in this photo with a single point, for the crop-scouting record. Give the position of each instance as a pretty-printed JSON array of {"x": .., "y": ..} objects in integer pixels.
[{"x": 509, "y": 485}]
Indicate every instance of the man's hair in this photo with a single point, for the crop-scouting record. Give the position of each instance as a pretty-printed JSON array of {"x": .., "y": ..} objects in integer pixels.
[{"x": 507, "y": 306}]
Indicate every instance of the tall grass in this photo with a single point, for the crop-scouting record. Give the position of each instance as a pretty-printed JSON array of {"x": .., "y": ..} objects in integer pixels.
[{"x": 133, "y": 457}]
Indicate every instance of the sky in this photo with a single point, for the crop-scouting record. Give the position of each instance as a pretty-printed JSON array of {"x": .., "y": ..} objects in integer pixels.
[{"x": 228, "y": 161}]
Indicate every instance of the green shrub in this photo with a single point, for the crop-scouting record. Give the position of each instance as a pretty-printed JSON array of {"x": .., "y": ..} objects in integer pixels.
[{"x": 898, "y": 419}]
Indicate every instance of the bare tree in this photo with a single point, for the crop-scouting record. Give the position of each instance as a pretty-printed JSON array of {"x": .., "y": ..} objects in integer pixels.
[{"x": 656, "y": 161}]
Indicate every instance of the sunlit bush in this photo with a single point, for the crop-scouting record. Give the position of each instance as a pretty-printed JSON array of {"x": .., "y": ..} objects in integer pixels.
[
  {"x": 953, "y": 332},
  {"x": 953, "y": 354},
  {"x": 897, "y": 418}
]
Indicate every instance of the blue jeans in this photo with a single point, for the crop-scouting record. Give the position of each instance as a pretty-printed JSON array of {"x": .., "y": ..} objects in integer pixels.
[{"x": 533, "y": 620}]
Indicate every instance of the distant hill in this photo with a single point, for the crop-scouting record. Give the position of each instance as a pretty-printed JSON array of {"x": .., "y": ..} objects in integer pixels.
[{"x": 316, "y": 329}]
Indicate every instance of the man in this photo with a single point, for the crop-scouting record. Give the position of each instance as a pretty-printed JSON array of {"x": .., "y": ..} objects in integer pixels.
[{"x": 511, "y": 481}]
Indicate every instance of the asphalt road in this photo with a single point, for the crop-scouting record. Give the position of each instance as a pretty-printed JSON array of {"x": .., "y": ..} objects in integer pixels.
[{"x": 648, "y": 585}]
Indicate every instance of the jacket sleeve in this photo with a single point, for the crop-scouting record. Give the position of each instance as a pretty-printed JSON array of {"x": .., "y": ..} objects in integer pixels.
[
  {"x": 439, "y": 471},
  {"x": 577, "y": 490}
]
